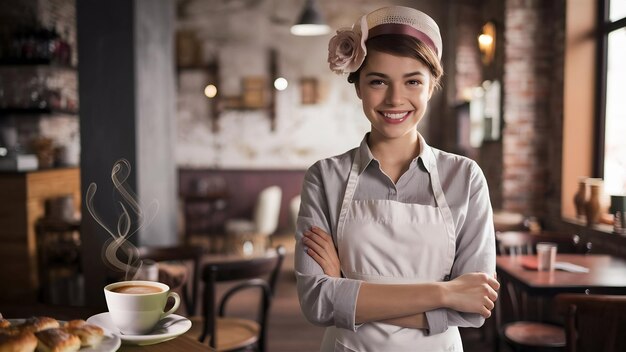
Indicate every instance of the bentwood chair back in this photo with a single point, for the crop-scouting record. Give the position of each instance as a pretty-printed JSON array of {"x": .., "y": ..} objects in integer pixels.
[
  {"x": 189, "y": 258},
  {"x": 229, "y": 333},
  {"x": 294, "y": 208},
  {"x": 267, "y": 210},
  {"x": 255, "y": 231},
  {"x": 593, "y": 322}
]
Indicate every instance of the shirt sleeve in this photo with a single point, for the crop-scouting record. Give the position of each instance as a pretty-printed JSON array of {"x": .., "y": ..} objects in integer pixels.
[
  {"x": 475, "y": 252},
  {"x": 324, "y": 300}
]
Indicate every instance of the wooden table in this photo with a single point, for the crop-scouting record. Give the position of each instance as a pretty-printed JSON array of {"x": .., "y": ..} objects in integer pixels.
[{"x": 606, "y": 275}]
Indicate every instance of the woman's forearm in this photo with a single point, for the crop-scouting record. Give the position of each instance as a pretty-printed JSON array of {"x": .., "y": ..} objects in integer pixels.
[
  {"x": 376, "y": 302},
  {"x": 469, "y": 293},
  {"x": 414, "y": 321}
]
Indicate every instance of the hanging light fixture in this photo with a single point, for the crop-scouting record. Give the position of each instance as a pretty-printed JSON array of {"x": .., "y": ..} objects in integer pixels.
[{"x": 311, "y": 21}]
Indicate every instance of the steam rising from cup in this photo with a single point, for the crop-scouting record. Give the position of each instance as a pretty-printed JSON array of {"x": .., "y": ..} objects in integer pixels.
[{"x": 118, "y": 252}]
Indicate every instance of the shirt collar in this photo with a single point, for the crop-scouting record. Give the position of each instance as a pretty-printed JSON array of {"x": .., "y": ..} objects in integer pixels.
[{"x": 367, "y": 157}]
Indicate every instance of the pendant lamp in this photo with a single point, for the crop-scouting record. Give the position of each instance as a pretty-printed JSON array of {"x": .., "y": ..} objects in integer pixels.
[{"x": 311, "y": 21}]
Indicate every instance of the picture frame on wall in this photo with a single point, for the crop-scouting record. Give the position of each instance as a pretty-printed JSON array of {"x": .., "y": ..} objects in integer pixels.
[
  {"x": 309, "y": 90},
  {"x": 254, "y": 93}
]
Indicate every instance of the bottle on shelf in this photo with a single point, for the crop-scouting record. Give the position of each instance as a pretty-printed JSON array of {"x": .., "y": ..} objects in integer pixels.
[
  {"x": 580, "y": 198},
  {"x": 593, "y": 206}
]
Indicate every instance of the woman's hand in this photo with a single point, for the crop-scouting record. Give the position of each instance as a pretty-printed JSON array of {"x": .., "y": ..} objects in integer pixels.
[
  {"x": 322, "y": 250},
  {"x": 471, "y": 293}
]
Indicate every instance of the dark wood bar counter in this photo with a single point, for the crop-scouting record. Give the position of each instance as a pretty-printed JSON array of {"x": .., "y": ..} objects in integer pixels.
[{"x": 22, "y": 204}]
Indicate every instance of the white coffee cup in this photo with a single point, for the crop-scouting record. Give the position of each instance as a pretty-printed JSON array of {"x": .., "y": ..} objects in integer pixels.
[{"x": 136, "y": 306}]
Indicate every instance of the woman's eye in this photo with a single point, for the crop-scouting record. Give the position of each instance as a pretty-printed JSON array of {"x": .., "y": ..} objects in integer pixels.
[
  {"x": 377, "y": 82},
  {"x": 414, "y": 82}
]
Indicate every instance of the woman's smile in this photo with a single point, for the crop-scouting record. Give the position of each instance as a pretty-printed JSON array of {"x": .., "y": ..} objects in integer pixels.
[{"x": 395, "y": 117}]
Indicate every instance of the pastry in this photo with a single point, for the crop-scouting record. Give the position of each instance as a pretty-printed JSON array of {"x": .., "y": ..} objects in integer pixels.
[
  {"x": 57, "y": 340},
  {"x": 35, "y": 324},
  {"x": 18, "y": 342},
  {"x": 90, "y": 335}
]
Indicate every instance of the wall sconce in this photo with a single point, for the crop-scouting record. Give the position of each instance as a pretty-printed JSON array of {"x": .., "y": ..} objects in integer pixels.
[
  {"x": 311, "y": 21},
  {"x": 487, "y": 42},
  {"x": 210, "y": 91},
  {"x": 281, "y": 83}
]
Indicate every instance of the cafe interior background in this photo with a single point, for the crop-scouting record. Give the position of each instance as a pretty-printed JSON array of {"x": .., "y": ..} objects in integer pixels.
[{"x": 219, "y": 97}]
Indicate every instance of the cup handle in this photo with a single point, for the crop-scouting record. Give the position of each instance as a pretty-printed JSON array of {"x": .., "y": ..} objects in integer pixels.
[{"x": 176, "y": 304}]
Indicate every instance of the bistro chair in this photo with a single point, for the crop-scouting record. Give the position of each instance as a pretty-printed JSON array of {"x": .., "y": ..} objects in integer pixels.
[
  {"x": 294, "y": 208},
  {"x": 179, "y": 267},
  {"x": 508, "y": 221},
  {"x": 247, "y": 236},
  {"x": 230, "y": 333},
  {"x": 520, "y": 334},
  {"x": 593, "y": 322}
]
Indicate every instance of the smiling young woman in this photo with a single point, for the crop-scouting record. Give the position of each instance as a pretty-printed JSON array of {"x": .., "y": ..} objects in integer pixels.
[{"x": 395, "y": 242}]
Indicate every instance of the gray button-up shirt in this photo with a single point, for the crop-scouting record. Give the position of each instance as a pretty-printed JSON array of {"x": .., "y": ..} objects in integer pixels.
[{"x": 328, "y": 301}]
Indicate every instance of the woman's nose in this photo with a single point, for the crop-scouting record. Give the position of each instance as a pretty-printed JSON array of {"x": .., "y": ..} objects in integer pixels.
[{"x": 394, "y": 96}]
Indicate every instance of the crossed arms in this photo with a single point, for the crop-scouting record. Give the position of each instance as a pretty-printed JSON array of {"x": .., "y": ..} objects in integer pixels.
[{"x": 404, "y": 305}]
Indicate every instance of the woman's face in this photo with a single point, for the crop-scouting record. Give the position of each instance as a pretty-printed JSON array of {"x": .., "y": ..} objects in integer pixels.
[{"x": 395, "y": 92}]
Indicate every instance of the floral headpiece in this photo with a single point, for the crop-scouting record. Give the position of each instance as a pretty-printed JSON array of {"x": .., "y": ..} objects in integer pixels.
[{"x": 347, "y": 51}]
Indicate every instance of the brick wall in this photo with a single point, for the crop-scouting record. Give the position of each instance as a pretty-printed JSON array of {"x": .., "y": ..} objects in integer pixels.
[
  {"x": 468, "y": 67},
  {"x": 523, "y": 167},
  {"x": 555, "y": 113},
  {"x": 533, "y": 89}
]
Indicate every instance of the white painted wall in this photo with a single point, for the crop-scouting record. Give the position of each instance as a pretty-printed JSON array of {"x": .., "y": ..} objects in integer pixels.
[{"x": 238, "y": 34}]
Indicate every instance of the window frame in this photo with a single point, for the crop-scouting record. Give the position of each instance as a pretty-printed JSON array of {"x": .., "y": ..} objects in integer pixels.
[{"x": 604, "y": 26}]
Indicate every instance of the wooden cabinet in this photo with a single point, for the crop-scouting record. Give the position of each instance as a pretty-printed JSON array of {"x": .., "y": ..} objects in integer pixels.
[{"x": 22, "y": 203}]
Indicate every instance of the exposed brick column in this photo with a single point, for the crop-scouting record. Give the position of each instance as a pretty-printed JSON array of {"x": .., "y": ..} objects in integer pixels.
[{"x": 527, "y": 81}]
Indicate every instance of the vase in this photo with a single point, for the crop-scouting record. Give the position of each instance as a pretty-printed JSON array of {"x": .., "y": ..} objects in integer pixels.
[
  {"x": 580, "y": 198},
  {"x": 592, "y": 206}
]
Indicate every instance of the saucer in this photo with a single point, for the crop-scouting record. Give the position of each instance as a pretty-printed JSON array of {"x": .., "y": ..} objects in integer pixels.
[{"x": 177, "y": 329}]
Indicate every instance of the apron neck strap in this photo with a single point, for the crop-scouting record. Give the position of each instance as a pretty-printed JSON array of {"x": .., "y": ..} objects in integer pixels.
[{"x": 350, "y": 188}]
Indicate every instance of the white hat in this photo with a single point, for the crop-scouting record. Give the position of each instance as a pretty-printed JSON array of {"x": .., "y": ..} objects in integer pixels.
[{"x": 346, "y": 50}]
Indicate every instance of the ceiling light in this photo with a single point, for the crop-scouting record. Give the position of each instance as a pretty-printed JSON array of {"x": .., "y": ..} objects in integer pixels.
[{"x": 311, "y": 21}]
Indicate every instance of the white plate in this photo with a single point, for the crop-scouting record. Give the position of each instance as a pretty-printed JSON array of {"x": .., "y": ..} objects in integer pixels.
[
  {"x": 110, "y": 342},
  {"x": 175, "y": 330}
]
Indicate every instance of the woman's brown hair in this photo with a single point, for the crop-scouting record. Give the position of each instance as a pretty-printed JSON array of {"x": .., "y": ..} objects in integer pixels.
[{"x": 407, "y": 46}]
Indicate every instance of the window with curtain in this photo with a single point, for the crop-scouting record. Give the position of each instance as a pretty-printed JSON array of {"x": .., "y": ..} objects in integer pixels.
[{"x": 612, "y": 100}]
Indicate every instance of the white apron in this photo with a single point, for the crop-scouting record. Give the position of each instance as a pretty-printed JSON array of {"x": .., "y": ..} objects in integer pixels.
[{"x": 390, "y": 242}]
